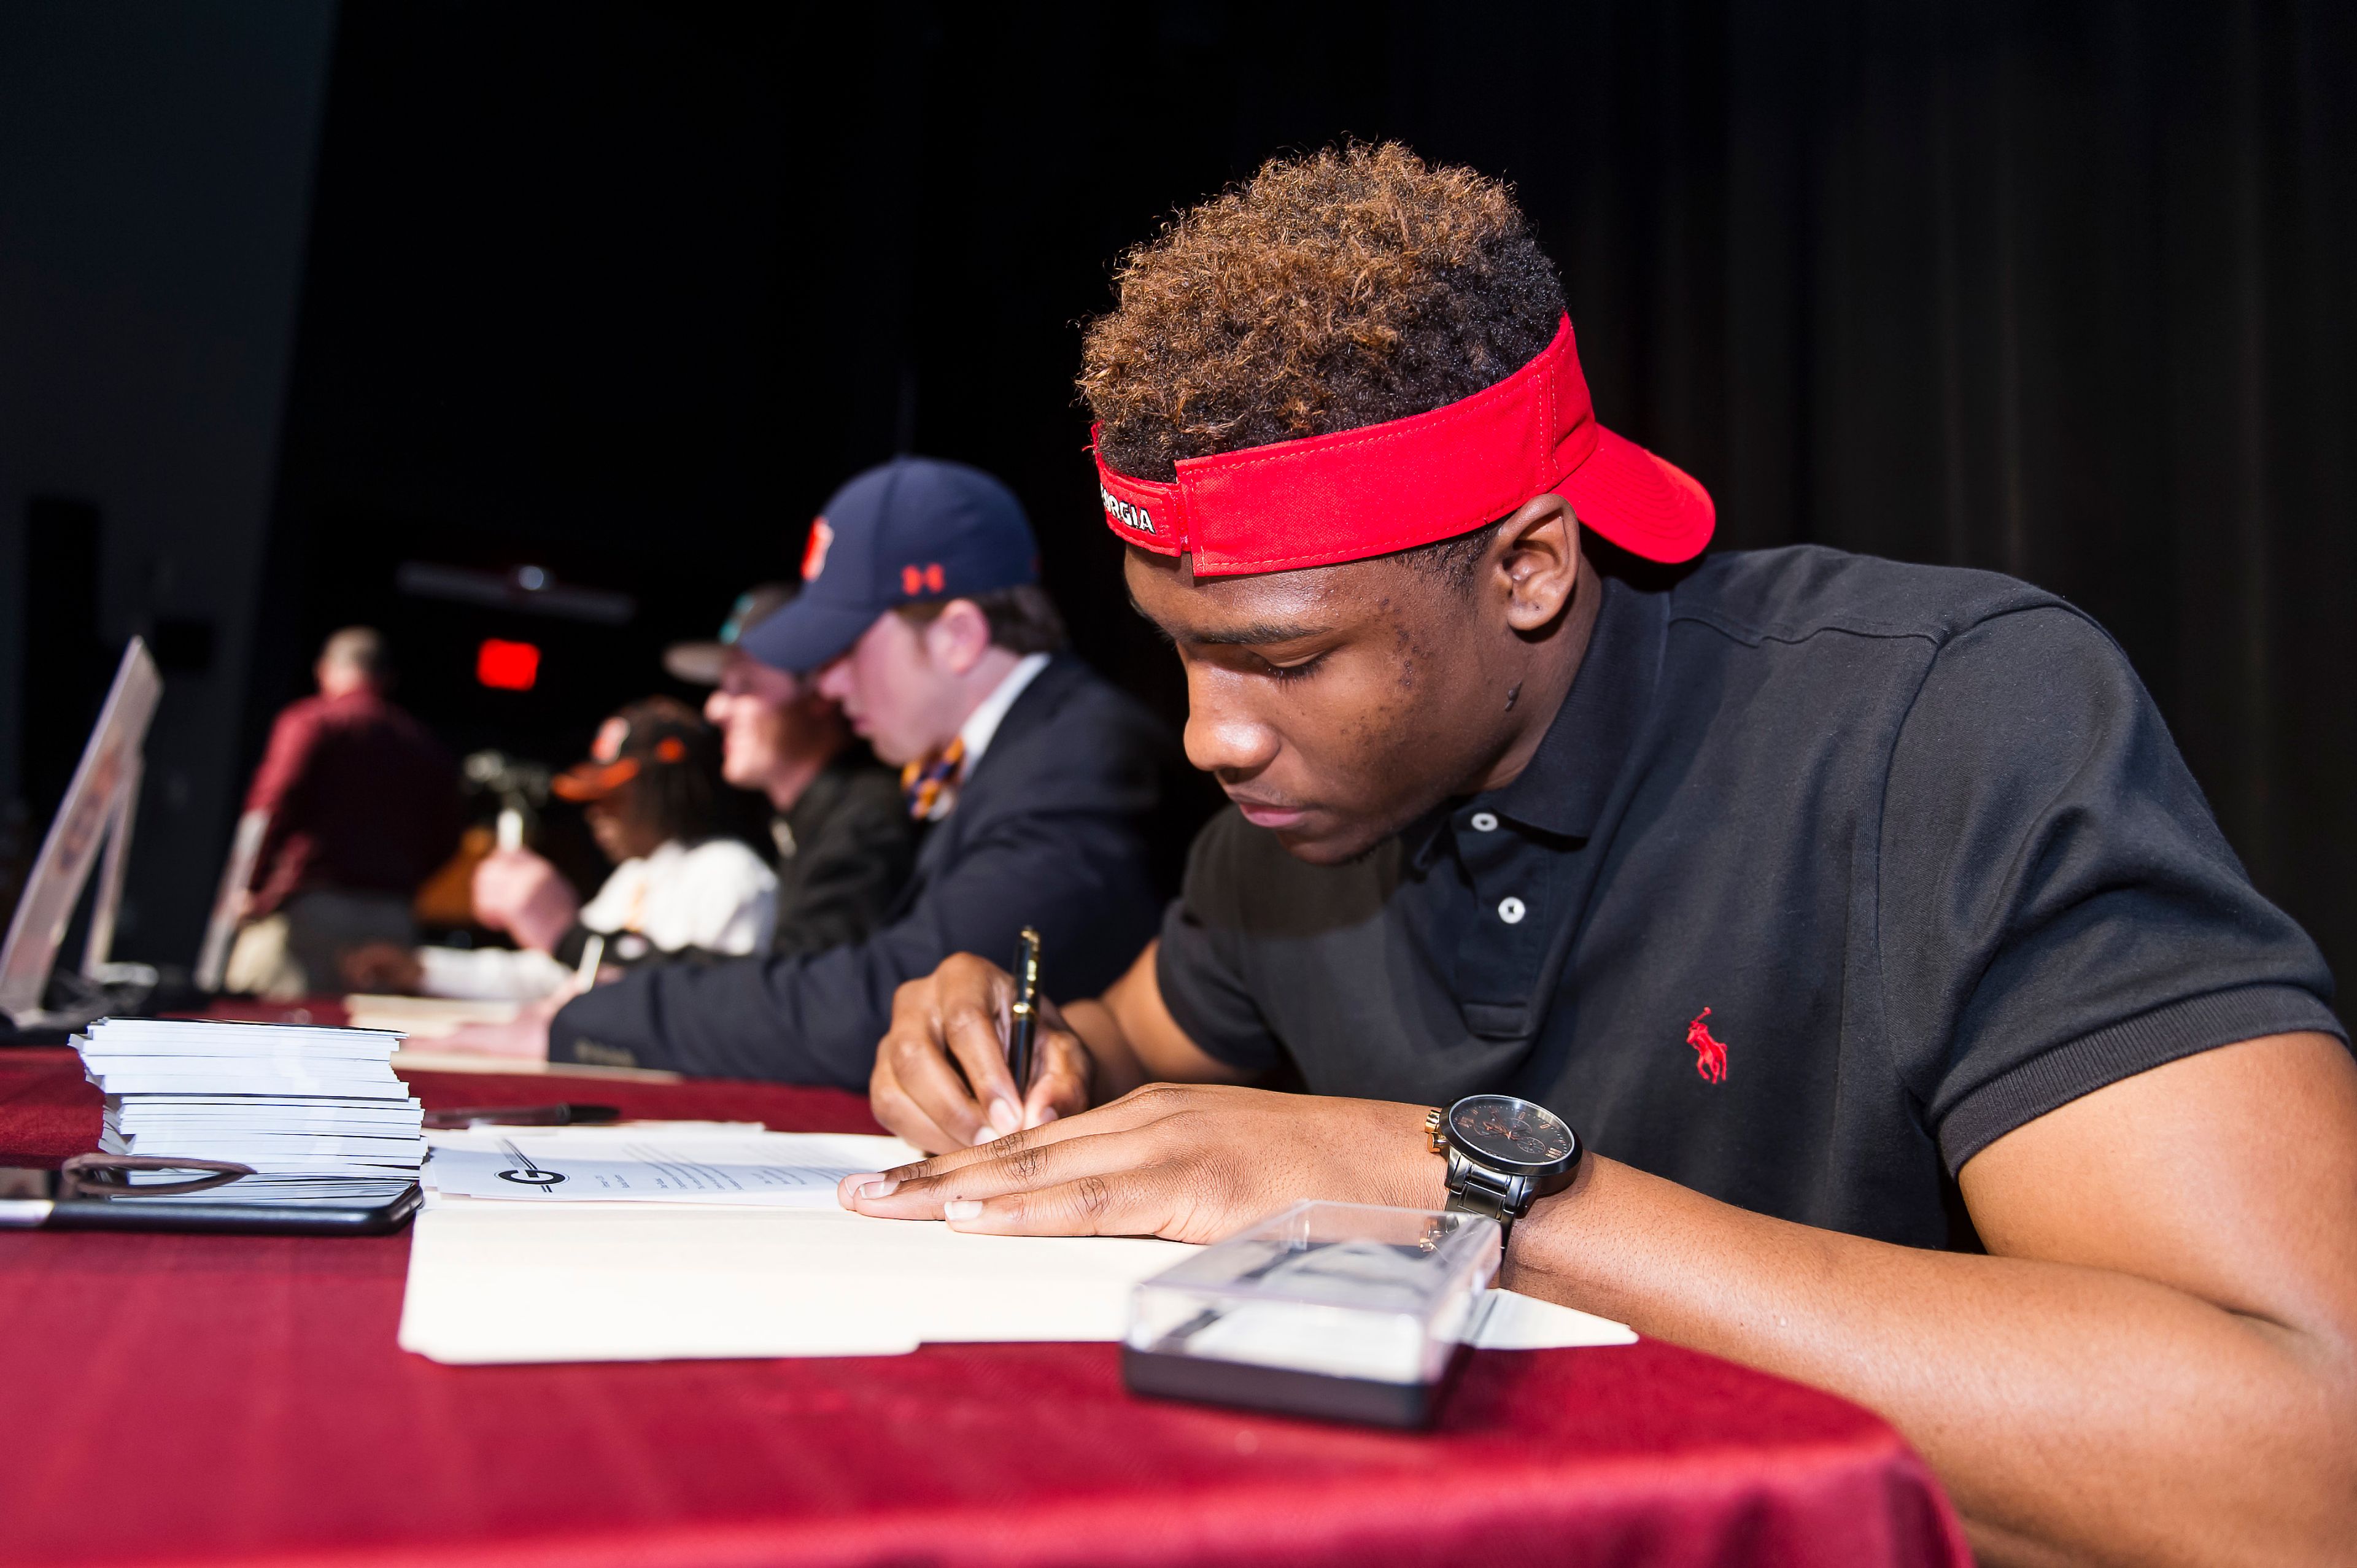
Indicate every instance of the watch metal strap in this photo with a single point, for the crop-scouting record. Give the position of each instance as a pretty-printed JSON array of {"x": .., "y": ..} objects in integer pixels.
[
  {"x": 1482, "y": 1192},
  {"x": 1473, "y": 1191}
]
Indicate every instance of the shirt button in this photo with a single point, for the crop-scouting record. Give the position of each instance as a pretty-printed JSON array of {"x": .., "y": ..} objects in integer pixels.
[
  {"x": 1510, "y": 910},
  {"x": 1483, "y": 822}
]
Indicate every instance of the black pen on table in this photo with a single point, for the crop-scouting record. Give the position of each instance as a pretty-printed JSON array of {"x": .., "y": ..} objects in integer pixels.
[
  {"x": 1024, "y": 1015},
  {"x": 522, "y": 1116}
]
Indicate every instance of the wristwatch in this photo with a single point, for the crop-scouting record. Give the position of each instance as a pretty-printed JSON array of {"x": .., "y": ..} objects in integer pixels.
[{"x": 1504, "y": 1154}]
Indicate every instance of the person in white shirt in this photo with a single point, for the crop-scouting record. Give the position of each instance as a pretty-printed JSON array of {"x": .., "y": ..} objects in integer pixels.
[{"x": 652, "y": 791}]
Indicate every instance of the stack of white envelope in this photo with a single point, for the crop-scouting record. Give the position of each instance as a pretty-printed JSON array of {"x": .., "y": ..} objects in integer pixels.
[{"x": 316, "y": 1112}]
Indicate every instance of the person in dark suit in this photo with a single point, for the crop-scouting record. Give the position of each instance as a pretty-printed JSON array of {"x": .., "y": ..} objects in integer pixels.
[
  {"x": 844, "y": 844},
  {"x": 1032, "y": 780}
]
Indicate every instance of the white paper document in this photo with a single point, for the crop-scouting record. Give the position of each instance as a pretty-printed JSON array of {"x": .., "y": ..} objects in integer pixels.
[
  {"x": 215, "y": 1085},
  {"x": 206, "y": 1037},
  {"x": 656, "y": 1163},
  {"x": 724, "y": 1240},
  {"x": 509, "y": 1281},
  {"x": 680, "y": 1277},
  {"x": 498, "y": 1282},
  {"x": 1509, "y": 1320}
]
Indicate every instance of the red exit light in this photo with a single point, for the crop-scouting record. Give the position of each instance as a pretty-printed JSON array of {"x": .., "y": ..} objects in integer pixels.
[{"x": 508, "y": 666}]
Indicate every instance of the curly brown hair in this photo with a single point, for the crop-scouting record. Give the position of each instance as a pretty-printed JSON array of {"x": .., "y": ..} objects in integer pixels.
[{"x": 1343, "y": 289}]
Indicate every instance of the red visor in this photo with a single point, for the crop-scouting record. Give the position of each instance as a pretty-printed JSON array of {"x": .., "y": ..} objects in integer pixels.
[{"x": 1360, "y": 493}]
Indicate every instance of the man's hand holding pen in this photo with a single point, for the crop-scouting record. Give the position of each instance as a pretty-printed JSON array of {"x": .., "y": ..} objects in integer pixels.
[
  {"x": 1187, "y": 1160},
  {"x": 941, "y": 1077}
]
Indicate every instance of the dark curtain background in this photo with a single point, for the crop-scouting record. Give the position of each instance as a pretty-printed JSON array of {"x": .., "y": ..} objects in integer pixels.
[{"x": 2065, "y": 289}]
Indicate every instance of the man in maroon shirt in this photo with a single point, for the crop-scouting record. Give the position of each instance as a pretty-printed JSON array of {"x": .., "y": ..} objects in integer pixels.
[{"x": 358, "y": 805}]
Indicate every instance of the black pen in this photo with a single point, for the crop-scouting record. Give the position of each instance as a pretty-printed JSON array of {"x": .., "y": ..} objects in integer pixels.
[
  {"x": 523, "y": 1116},
  {"x": 1024, "y": 1015}
]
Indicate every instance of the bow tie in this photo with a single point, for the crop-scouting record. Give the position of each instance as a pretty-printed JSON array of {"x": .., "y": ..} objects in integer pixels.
[{"x": 930, "y": 783}]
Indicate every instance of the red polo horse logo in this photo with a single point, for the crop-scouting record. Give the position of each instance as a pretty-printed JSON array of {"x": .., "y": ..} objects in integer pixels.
[{"x": 1710, "y": 1056}]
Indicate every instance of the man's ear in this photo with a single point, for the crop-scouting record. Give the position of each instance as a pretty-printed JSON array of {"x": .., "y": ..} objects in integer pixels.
[
  {"x": 958, "y": 637},
  {"x": 1536, "y": 560}
]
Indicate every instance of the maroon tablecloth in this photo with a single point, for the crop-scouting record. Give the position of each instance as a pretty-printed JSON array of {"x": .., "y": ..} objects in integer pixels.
[{"x": 240, "y": 1400}]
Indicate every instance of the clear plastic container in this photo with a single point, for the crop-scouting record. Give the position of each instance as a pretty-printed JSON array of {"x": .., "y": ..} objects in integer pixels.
[{"x": 1349, "y": 1311}]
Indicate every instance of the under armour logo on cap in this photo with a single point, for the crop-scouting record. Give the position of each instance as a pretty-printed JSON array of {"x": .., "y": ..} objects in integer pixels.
[
  {"x": 914, "y": 529},
  {"x": 822, "y": 539}
]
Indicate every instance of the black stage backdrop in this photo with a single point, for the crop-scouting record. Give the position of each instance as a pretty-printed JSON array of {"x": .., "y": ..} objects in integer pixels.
[{"x": 2060, "y": 289}]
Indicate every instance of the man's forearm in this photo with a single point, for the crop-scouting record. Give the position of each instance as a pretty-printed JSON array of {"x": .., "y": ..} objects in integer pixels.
[
  {"x": 1116, "y": 1070},
  {"x": 2159, "y": 1364},
  {"x": 790, "y": 1020},
  {"x": 2075, "y": 1414},
  {"x": 1133, "y": 1039}
]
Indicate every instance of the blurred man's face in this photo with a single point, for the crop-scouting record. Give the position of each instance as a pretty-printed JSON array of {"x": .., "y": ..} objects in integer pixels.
[
  {"x": 338, "y": 678},
  {"x": 621, "y": 833},
  {"x": 895, "y": 690},
  {"x": 766, "y": 718}
]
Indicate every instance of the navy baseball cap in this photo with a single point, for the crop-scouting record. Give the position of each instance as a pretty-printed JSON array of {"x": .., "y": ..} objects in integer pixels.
[{"x": 912, "y": 530}]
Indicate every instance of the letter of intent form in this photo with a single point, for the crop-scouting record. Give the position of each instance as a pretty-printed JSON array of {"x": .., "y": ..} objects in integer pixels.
[
  {"x": 719, "y": 1240},
  {"x": 714, "y": 1164}
]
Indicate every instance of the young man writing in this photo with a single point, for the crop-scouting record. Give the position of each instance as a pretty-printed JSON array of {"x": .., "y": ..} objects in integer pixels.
[
  {"x": 1032, "y": 781},
  {"x": 1861, "y": 916}
]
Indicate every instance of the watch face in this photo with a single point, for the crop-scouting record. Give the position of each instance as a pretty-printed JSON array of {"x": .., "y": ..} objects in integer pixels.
[{"x": 1498, "y": 1129}]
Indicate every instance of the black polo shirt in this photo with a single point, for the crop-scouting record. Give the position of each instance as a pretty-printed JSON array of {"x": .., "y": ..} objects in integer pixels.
[{"x": 1829, "y": 872}]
